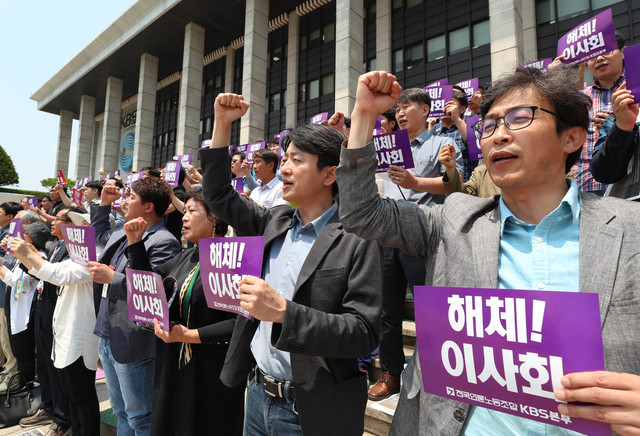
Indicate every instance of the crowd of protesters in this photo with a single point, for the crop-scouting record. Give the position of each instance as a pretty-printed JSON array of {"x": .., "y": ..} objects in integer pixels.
[{"x": 336, "y": 268}]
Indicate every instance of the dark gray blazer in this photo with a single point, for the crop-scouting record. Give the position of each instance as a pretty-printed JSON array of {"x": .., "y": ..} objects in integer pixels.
[
  {"x": 468, "y": 228},
  {"x": 129, "y": 343},
  {"x": 333, "y": 318}
]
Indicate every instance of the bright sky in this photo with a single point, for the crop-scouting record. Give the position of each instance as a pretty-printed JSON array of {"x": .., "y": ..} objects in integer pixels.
[{"x": 37, "y": 38}]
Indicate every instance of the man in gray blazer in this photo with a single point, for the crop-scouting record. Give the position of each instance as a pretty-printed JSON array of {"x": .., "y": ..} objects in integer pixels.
[
  {"x": 127, "y": 351},
  {"x": 317, "y": 305},
  {"x": 533, "y": 128}
]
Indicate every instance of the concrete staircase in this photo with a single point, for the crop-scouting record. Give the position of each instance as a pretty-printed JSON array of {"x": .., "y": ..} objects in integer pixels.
[{"x": 379, "y": 414}]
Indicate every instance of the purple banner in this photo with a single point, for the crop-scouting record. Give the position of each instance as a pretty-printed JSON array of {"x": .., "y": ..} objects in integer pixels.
[
  {"x": 506, "y": 349},
  {"x": 15, "y": 231},
  {"x": 186, "y": 159},
  {"x": 440, "y": 95},
  {"x": 588, "y": 40},
  {"x": 440, "y": 82},
  {"x": 238, "y": 184},
  {"x": 377, "y": 128},
  {"x": 470, "y": 86},
  {"x": 252, "y": 148},
  {"x": 240, "y": 148},
  {"x": 318, "y": 118},
  {"x": 172, "y": 173},
  {"x": 223, "y": 264},
  {"x": 473, "y": 140},
  {"x": 146, "y": 299},
  {"x": 632, "y": 68},
  {"x": 117, "y": 174},
  {"x": 206, "y": 143},
  {"x": 80, "y": 242},
  {"x": 540, "y": 64},
  {"x": 88, "y": 179},
  {"x": 393, "y": 148},
  {"x": 33, "y": 202}
]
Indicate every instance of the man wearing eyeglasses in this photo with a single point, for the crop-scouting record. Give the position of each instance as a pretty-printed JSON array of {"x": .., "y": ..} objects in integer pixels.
[
  {"x": 541, "y": 233},
  {"x": 608, "y": 72}
]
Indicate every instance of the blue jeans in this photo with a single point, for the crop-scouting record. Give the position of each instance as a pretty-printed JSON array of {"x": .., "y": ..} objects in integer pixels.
[
  {"x": 265, "y": 415},
  {"x": 130, "y": 387}
]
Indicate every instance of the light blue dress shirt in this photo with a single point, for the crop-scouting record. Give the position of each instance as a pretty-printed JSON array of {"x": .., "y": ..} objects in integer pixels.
[
  {"x": 543, "y": 257},
  {"x": 286, "y": 257}
]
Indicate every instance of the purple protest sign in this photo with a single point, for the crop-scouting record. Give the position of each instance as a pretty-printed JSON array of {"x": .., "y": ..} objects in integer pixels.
[
  {"x": 172, "y": 173},
  {"x": 588, "y": 40},
  {"x": 540, "y": 64},
  {"x": 176, "y": 157},
  {"x": 223, "y": 264},
  {"x": 473, "y": 140},
  {"x": 470, "y": 86},
  {"x": 393, "y": 148},
  {"x": 146, "y": 299},
  {"x": 15, "y": 231},
  {"x": 88, "y": 179},
  {"x": 238, "y": 184},
  {"x": 440, "y": 95},
  {"x": 377, "y": 128},
  {"x": 318, "y": 118},
  {"x": 240, "y": 148},
  {"x": 440, "y": 82},
  {"x": 506, "y": 349},
  {"x": 33, "y": 202},
  {"x": 117, "y": 174},
  {"x": 80, "y": 242},
  {"x": 252, "y": 148},
  {"x": 206, "y": 144},
  {"x": 632, "y": 68},
  {"x": 186, "y": 159},
  {"x": 283, "y": 134}
]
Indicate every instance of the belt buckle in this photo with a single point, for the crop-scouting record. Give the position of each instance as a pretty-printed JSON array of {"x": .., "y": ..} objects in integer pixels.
[{"x": 268, "y": 382}]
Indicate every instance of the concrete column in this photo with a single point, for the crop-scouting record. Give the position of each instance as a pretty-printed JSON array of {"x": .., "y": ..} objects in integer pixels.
[
  {"x": 293, "y": 55},
  {"x": 254, "y": 71},
  {"x": 145, "y": 111},
  {"x": 229, "y": 69},
  {"x": 187, "y": 135},
  {"x": 507, "y": 46},
  {"x": 529, "y": 34},
  {"x": 64, "y": 141},
  {"x": 110, "y": 143},
  {"x": 384, "y": 55},
  {"x": 349, "y": 38},
  {"x": 95, "y": 145},
  {"x": 85, "y": 135}
]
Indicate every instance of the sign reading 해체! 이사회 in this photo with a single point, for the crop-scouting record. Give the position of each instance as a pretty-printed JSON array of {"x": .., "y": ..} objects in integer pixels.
[
  {"x": 146, "y": 298},
  {"x": 223, "y": 264},
  {"x": 393, "y": 148},
  {"x": 588, "y": 40},
  {"x": 440, "y": 95},
  {"x": 473, "y": 141},
  {"x": 172, "y": 173},
  {"x": 80, "y": 242},
  {"x": 15, "y": 231},
  {"x": 507, "y": 349}
]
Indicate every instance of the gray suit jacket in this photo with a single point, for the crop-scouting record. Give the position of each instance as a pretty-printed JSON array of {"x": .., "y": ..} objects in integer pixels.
[
  {"x": 466, "y": 227},
  {"x": 129, "y": 343},
  {"x": 333, "y": 318}
]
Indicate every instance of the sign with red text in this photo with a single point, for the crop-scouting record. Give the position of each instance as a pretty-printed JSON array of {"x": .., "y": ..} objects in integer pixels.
[
  {"x": 507, "y": 349},
  {"x": 146, "y": 298},
  {"x": 224, "y": 262},
  {"x": 592, "y": 38},
  {"x": 76, "y": 196},
  {"x": 80, "y": 242},
  {"x": 61, "y": 179}
]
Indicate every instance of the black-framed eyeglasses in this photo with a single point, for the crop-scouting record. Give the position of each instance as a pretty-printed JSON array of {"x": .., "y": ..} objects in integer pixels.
[
  {"x": 516, "y": 119},
  {"x": 55, "y": 218}
]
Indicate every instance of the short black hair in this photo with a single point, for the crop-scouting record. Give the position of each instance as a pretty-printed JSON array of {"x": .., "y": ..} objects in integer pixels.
[
  {"x": 151, "y": 171},
  {"x": 347, "y": 122},
  {"x": 95, "y": 185},
  {"x": 242, "y": 154},
  {"x": 323, "y": 141},
  {"x": 11, "y": 208},
  {"x": 415, "y": 95},
  {"x": 268, "y": 156},
  {"x": 118, "y": 182},
  {"x": 458, "y": 88},
  {"x": 557, "y": 86},
  {"x": 220, "y": 227},
  {"x": 390, "y": 115},
  {"x": 619, "y": 40},
  {"x": 461, "y": 97},
  {"x": 155, "y": 191}
]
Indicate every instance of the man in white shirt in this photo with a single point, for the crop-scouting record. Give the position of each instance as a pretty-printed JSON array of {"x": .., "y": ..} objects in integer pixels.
[{"x": 269, "y": 193}]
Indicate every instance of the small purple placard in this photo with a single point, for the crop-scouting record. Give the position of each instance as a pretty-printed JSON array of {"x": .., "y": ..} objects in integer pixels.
[
  {"x": 186, "y": 159},
  {"x": 33, "y": 202},
  {"x": 588, "y": 40},
  {"x": 15, "y": 231},
  {"x": 440, "y": 95},
  {"x": 88, "y": 179},
  {"x": 377, "y": 128},
  {"x": 632, "y": 68},
  {"x": 146, "y": 299},
  {"x": 172, "y": 172},
  {"x": 473, "y": 141},
  {"x": 117, "y": 174},
  {"x": 393, "y": 148},
  {"x": 506, "y": 349},
  {"x": 318, "y": 118},
  {"x": 206, "y": 143},
  {"x": 440, "y": 82},
  {"x": 470, "y": 86},
  {"x": 252, "y": 148},
  {"x": 238, "y": 184},
  {"x": 223, "y": 264},
  {"x": 540, "y": 64},
  {"x": 80, "y": 242}
]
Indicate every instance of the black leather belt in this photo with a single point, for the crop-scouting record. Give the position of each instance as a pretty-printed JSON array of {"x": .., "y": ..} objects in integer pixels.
[{"x": 275, "y": 388}]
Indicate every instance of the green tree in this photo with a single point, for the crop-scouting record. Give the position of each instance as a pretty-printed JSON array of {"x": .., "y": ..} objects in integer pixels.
[
  {"x": 51, "y": 181},
  {"x": 8, "y": 174}
]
